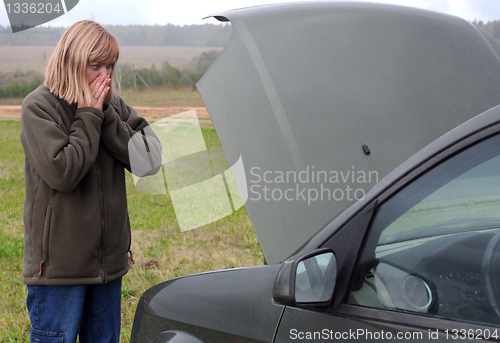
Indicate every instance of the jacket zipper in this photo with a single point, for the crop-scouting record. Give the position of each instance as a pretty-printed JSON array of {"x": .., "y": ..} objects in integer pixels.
[
  {"x": 103, "y": 223},
  {"x": 45, "y": 239}
]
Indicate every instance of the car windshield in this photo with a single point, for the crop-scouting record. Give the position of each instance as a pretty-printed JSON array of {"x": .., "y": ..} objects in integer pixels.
[
  {"x": 447, "y": 227},
  {"x": 435, "y": 218},
  {"x": 460, "y": 195}
]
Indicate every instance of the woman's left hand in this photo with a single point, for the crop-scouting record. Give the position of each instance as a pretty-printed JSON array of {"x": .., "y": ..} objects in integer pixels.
[{"x": 99, "y": 88}]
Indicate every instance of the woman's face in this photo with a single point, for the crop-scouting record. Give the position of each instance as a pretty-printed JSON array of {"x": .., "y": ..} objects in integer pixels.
[{"x": 94, "y": 70}]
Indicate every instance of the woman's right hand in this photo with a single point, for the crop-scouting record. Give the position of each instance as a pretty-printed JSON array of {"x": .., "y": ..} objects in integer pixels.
[{"x": 99, "y": 89}]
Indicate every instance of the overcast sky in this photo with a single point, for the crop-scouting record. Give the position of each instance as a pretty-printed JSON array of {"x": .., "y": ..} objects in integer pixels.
[{"x": 186, "y": 12}]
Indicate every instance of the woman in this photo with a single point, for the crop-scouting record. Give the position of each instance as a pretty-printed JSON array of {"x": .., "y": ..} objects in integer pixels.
[{"x": 75, "y": 134}]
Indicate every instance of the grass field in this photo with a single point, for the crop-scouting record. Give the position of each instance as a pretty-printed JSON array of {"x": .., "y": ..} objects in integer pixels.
[
  {"x": 161, "y": 251},
  {"x": 153, "y": 97},
  {"x": 34, "y": 57},
  {"x": 162, "y": 97}
]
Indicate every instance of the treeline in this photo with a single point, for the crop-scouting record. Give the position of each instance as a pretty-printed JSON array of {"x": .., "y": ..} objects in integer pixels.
[
  {"x": 20, "y": 84},
  {"x": 166, "y": 75},
  {"x": 207, "y": 35},
  {"x": 491, "y": 28}
]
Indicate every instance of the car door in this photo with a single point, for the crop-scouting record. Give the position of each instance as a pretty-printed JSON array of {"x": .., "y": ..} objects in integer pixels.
[{"x": 421, "y": 262}]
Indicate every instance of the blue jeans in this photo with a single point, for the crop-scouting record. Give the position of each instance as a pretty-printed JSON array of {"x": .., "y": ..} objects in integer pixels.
[{"x": 61, "y": 313}]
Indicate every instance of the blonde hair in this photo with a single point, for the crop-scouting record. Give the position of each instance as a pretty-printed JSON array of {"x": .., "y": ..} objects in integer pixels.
[{"x": 85, "y": 42}]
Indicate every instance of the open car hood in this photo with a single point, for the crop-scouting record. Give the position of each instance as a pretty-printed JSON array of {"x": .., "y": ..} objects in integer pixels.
[{"x": 322, "y": 100}]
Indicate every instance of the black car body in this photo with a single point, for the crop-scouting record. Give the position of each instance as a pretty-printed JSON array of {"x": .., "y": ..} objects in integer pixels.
[{"x": 342, "y": 92}]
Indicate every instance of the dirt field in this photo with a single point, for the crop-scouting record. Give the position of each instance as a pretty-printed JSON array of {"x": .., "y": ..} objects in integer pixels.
[
  {"x": 152, "y": 114},
  {"x": 34, "y": 57}
]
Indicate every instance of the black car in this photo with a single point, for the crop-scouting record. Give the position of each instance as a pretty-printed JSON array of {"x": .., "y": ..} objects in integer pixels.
[{"x": 370, "y": 140}]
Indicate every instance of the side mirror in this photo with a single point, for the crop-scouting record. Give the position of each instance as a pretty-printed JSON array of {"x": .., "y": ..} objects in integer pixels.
[{"x": 306, "y": 280}]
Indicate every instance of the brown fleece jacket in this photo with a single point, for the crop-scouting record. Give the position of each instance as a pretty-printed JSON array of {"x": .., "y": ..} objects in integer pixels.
[{"x": 77, "y": 228}]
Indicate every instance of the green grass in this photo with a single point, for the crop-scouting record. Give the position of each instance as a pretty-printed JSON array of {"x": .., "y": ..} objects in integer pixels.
[
  {"x": 151, "y": 97},
  {"x": 160, "y": 250},
  {"x": 14, "y": 322}
]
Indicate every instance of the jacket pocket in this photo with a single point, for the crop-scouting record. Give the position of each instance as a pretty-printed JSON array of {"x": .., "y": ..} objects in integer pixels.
[{"x": 46, "y": 235}]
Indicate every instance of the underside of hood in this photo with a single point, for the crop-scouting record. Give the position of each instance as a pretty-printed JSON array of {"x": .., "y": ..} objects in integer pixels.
[{"x": 320, "y": 100}]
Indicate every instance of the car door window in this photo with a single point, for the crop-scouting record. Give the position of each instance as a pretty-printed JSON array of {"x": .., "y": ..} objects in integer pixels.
[{"x": 432, "y": 248}]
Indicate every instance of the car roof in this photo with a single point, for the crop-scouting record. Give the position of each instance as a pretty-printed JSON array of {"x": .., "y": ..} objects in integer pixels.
[{"x": 350, "y": 90}]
